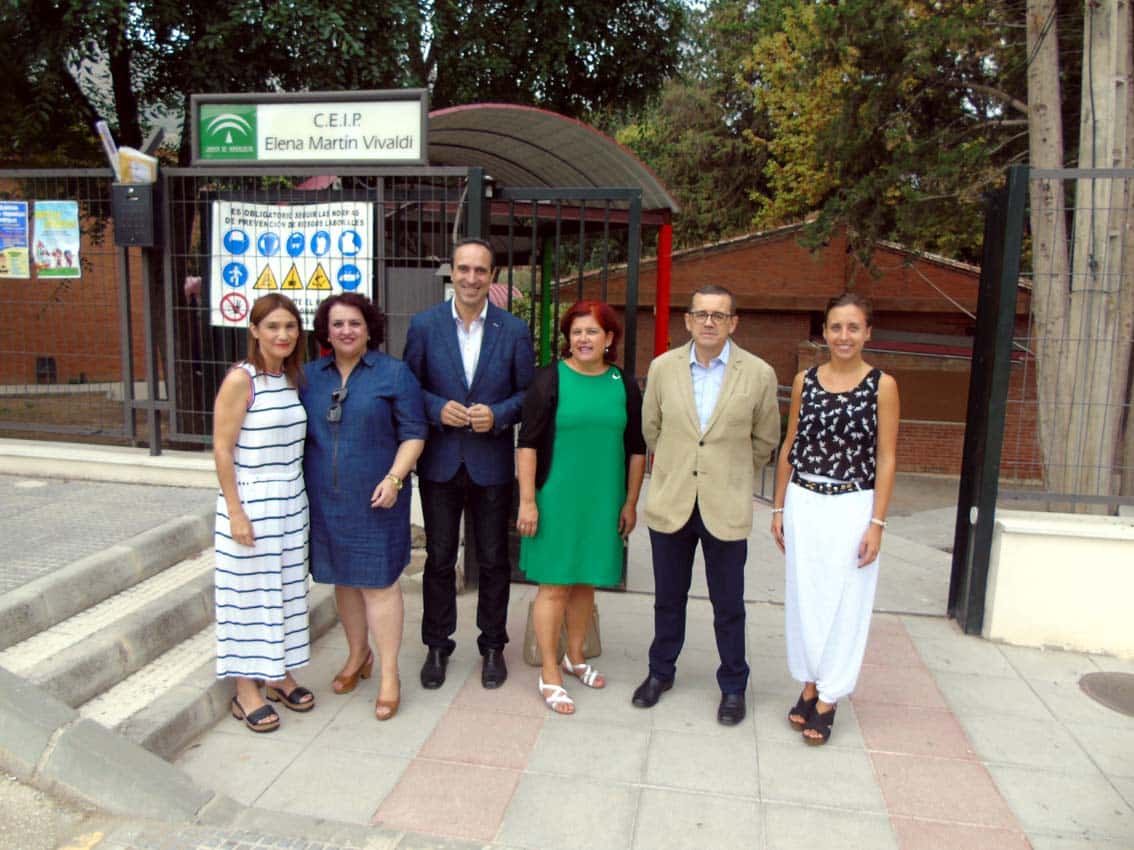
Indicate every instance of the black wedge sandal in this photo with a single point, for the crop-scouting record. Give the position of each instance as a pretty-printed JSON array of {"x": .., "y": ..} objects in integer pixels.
[
  {"x": 820, "y": 722},
  {"x": 295, "y": 699},
  {"x": 804, "y": 708},
  {"x": 263, "y": 719}
]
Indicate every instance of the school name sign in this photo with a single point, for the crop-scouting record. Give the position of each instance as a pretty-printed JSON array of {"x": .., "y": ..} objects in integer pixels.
[{"x": 370, "y": 127}]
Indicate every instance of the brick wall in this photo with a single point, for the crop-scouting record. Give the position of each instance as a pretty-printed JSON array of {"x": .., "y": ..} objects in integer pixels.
[
  {"x": 76, "y": 321},
  {"x": 936, "y": 445}
]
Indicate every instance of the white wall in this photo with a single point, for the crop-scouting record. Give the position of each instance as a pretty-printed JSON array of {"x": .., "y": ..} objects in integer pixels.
[{"x": 1062, "y": 580}]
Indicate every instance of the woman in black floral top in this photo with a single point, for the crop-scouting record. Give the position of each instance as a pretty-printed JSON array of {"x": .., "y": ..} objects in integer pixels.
[{"x": 833, "y": 485}]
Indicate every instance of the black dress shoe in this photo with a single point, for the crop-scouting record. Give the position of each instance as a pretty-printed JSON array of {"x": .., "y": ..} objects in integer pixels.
[
  {"x": 731, "y": 710},
  {"x": 494, "y": 671},
  {"x": 433, "y": 670},
  {"x": 649, "y": 692}
]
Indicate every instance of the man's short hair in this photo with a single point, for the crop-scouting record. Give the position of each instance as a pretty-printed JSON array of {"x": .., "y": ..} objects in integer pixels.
[
  {"x": 476, "y": 240},
  {"x": 713, "y": 289}
]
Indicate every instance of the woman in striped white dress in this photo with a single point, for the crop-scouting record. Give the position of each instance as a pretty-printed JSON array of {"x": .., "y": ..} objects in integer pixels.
[{"x": 259, "y": 427}]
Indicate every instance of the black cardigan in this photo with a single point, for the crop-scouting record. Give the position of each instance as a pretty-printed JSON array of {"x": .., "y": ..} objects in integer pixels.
[{"x": 537, "y": 426}]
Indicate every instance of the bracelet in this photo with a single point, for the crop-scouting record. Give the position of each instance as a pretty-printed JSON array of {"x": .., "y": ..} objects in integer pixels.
[
  {"x": 397, "y": 481},
  {"x": 777, "y": 510},
  {"x": 881, "y": 523}
]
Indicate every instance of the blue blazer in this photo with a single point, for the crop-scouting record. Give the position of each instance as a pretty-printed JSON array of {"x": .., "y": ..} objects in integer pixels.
[{"x": 503, "y": 373}]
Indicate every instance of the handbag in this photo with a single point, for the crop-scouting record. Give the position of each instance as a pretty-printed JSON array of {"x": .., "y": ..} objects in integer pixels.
[{"x": 592, "y": 643}]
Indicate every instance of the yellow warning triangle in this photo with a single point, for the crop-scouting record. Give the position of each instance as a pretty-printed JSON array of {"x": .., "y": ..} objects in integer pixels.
[
  {"x": 319, "y": 280},
  {"x": 293, "y": 280},
  {"x": 266, "y": 280}
]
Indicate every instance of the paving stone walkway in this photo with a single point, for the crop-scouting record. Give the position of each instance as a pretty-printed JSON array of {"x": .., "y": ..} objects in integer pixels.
[{"x": 47, "y": 523}]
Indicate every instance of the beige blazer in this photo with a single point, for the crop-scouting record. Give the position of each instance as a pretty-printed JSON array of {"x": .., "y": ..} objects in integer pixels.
[{"x": 716, "y": 469}]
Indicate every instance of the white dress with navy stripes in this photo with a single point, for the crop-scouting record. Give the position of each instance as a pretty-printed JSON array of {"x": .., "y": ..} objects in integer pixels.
[{"x": 261, "y": 590}]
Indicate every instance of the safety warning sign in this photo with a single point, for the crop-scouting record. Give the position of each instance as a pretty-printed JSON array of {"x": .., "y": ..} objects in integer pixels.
[{"x": 306, "y": 251}]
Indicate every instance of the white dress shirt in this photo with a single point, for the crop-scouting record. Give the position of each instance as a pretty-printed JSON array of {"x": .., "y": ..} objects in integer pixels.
[
  {"x": 707, "y": 381},
  {"x": 469, "y": 340}
]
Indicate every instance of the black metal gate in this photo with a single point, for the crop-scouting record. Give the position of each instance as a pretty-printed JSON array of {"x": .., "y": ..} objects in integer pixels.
[
  {"x": 988, "y": 392},
  {"x": 565, "y": 241}
]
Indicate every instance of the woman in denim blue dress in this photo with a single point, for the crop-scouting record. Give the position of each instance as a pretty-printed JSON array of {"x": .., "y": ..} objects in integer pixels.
[{"x": 366, "y": 430}]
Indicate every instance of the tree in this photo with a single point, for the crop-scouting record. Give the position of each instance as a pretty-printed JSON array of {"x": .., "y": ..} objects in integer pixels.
[
  {"x": 696, "y": 133},
  {"x": 1083, "y": 298},
  {"x": 574, "y": 57},
  {"x": 889, "y": 117},
  {"x": 130, "y": 60}
]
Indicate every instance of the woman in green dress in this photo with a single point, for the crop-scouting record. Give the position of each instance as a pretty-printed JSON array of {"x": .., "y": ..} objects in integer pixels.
[{"x": 580, "y": 461}]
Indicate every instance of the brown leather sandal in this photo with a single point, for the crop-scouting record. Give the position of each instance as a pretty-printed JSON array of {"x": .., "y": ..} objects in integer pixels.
[
  {"x": 345, "y": 682},
  {"x": 389, "y": 705}
]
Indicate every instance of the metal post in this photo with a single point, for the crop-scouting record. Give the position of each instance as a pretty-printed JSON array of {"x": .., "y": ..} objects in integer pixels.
[
  {"x": 663, "y": 286},
  {"x": 475, "y": 203},
  {"x": 634, "y": 247},
  {"x": 987, "y": 407},
  {"x": 153, "y": 420},
  {"x": 126, "y": 345},
  {"x": 546, "y": 331},
  {"x": 168, "y": 287}
]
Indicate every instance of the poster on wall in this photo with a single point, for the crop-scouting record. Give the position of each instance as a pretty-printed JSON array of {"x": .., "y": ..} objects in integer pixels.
[
  {"x": 56, "y": 234},
  {"x": 14, "y": 239},
  {"x": 307, "y": 252}
]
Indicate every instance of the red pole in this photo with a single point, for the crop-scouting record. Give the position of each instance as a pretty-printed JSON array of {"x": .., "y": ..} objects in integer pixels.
[{"x": 661, "y": 299}]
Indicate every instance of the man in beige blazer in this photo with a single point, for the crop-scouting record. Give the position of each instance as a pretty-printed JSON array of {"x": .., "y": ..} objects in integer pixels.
[{"x": 711, "y": 418}]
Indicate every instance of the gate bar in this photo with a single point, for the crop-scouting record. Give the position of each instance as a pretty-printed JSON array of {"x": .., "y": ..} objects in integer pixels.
[{"x": 988, "y": 401}]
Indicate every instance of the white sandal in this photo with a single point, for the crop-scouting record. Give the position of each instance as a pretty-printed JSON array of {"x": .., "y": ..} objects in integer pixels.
[
  {"x": 584, "y": 672},
  {"x": 557, "y": 698}
]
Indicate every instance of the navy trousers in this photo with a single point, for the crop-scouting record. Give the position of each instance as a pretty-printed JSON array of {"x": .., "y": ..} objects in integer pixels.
[
  {"x": 488, "y": 508},
  {"x": 673, "y": 572}
]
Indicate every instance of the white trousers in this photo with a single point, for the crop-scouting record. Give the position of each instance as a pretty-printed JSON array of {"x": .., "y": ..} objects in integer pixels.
[{"x": 828, "y": 598}]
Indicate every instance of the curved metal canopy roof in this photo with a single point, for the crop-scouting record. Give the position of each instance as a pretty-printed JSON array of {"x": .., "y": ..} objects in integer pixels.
[{"x": 525, "y": 146}]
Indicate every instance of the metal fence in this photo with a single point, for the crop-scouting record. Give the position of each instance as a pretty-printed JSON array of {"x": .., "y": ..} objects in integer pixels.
[
  {"x": 1074, "y": 389},
  {"x": 67, "y": 348},
  {"x": 418, "y": 212},
  {"x": 130, "y": 348}
]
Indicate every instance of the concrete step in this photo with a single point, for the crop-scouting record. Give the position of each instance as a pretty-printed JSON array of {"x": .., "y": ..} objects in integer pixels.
[
  {"x": 143, "y": 661},
  {"x": 79, "y": 658},
  {"x": 177, "y": 696}
]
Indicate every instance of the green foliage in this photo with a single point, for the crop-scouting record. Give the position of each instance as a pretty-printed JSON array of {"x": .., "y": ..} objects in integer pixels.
[
  {"x": 140, "y": 60},
  {"x": 695, "y": 133},
  {"x": 572, "y": 57},
  {"x": 707, "y": 165},
  {"x": 890, "y": 118}
]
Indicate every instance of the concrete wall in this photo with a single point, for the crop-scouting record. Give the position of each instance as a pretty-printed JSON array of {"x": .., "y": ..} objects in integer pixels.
[{"x": 1062, "y": 580}]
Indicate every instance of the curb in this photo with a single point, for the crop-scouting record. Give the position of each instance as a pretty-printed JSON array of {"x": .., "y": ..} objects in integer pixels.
[
  {"x": 50, "y": 599},
  {"x": 46, "y": 744},
  {"x": 108, "y": 463}
]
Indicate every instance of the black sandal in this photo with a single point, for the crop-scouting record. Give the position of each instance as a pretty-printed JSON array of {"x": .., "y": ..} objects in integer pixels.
[
  {"x": 820, "y": 722},
  {"x": 263, "y": 719},
  {"x": 293, "y": 699},
  {"x": 804, "y": 708}
]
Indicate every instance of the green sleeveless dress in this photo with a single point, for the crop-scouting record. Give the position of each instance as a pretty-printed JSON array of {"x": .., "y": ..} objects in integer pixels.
[{"x": 577, "y": 541}]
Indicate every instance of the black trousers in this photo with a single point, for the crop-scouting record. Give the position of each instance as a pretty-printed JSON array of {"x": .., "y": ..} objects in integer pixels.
[
  {"x": 673, "y": 572},
  {"x": 489, "y": 510}
]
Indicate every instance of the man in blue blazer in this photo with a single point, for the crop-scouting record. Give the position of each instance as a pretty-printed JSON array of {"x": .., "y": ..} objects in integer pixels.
[{"x": 474, "y": 361}]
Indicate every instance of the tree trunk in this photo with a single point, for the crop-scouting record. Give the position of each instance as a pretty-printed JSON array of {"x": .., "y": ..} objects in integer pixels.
[
  {"x": 1098, "y": 353},
  {"x": 1124, "y": 43},
  {"x": 1049, "y": 233}
]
